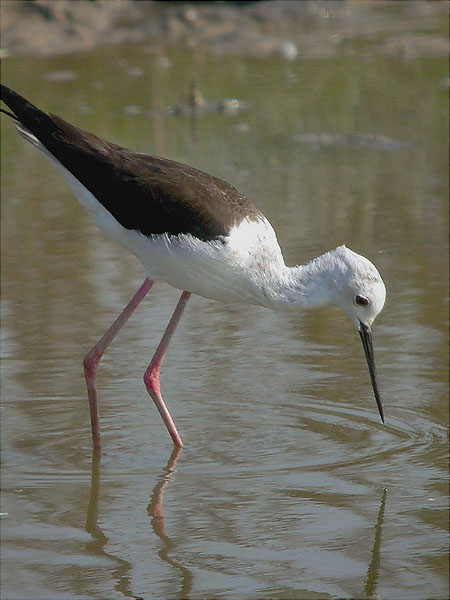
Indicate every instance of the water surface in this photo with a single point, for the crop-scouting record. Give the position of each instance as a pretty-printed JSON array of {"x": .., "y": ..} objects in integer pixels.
[{"x": 288, "y": 485}]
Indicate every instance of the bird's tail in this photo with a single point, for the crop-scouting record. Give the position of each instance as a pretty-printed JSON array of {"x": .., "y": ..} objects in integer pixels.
[
  {"x": 25, "y": 113},
  {"x": 33, "y": 124}
]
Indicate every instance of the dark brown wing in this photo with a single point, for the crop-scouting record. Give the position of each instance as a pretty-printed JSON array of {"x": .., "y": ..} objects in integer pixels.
[{"x": 150, "y": 194}]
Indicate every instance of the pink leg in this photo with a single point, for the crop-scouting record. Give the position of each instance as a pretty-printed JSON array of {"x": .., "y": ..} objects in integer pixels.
[
  {"x": 151, "y": 376},
  {"x": 92, "y": 358}
]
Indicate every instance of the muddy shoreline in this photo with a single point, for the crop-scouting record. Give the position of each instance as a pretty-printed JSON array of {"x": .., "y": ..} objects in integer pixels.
[{"x": 291, "y": 28}]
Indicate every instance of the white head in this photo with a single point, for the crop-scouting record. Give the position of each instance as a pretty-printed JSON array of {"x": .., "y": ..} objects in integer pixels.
[
  {"x": 357, "y": 287},
  {"x": 353, "y": 283}
]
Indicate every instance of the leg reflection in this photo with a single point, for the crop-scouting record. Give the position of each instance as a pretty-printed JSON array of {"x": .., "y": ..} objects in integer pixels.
[
  {"x": 155, "y": 512},
  {"x": 96, "y": 547}
]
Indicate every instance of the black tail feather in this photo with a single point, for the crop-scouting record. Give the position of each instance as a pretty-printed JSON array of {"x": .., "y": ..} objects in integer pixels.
[
  {"x": 6, "y": 112},
  {"x": 34, "y": 119}
]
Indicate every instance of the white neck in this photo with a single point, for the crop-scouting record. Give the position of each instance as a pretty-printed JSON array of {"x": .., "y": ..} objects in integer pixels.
[
  {"x": 267, "y": 281},
  {"x": 307, "y": 286}
]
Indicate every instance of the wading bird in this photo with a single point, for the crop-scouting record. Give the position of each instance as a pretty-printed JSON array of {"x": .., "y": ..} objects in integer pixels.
[{"x": 198, "y": 234}]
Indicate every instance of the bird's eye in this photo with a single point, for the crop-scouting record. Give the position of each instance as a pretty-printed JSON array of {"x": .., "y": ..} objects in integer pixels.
[{"x": 361, "y": 301}]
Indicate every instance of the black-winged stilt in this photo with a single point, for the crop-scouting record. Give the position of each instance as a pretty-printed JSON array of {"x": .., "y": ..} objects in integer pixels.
[{"x": 195, "y": 232}]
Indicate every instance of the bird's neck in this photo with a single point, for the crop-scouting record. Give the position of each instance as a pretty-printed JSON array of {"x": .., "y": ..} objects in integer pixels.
[{"x": 304, "y": 286}]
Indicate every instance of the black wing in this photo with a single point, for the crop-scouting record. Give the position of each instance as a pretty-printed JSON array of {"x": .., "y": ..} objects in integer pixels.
[{"x": 150, "y": 194}]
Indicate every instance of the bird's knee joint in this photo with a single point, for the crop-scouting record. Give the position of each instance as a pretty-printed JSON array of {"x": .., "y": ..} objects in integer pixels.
[
  {"x": 90, "y": 364},
  {"x": 151, "y": 379}
]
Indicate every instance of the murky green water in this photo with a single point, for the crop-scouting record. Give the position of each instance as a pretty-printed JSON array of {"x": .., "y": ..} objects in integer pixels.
[{"x": 288, "y": 486}]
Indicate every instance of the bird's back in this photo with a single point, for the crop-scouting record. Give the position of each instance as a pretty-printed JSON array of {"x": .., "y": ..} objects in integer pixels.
[{"x": 149, "y": 194}]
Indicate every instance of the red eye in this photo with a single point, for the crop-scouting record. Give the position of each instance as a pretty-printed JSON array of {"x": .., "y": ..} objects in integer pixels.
[{"x": 361, "y": 301}]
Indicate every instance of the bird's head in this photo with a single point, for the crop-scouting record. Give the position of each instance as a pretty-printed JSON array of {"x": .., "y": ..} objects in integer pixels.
[
  {"x": 360, "y": 292},
  {"x": 358, "y": 288}
]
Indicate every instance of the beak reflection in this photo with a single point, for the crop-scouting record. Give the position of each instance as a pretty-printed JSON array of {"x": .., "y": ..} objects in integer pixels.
[{"x": 366, "y": 337}]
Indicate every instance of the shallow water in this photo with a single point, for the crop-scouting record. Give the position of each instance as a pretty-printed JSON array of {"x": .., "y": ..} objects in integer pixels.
[{"x": 288, "y": 485}]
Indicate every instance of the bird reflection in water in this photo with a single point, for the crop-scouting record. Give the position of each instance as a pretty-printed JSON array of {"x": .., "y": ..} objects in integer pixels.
[
  {"x": 373, "y": 571},
  {"x": 155, "y": 512},
  {"x": 168, "y": 547},
  {"x": 96, "y": 547},
  {"x": 155, "y": 506}
]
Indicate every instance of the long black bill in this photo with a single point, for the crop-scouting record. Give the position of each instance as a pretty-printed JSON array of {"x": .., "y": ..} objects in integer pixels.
[{"x": 366, "y": 338}]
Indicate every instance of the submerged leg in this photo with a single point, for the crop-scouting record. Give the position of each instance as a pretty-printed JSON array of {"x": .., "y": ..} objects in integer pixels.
[
  {"x": 151, "y": 376},
  {"x": 92, "y": 358}
]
